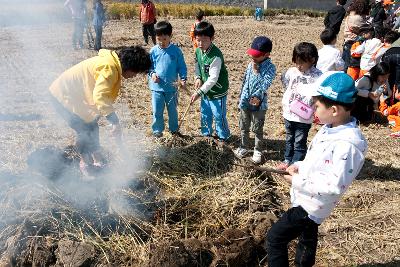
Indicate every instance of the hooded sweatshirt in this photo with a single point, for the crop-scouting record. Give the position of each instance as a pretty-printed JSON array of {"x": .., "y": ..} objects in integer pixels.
[
  {"x": 334, "y": 158},
  {"x": 90, "y": 88}
]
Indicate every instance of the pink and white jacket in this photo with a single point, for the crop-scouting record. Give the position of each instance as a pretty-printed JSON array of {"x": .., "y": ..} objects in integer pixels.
[{"x": 334, "y": 158}]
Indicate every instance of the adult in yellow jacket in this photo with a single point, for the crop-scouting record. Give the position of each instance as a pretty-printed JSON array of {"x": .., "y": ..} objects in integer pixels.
[{"x": 89, "y": 89}]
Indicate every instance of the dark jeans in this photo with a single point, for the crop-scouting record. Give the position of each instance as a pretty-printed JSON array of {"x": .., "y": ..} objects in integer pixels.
[
  {"x": 87, "y": 133},
  {"x": 99, "y": 32},
  {"x": 148, "y": 29},
  {"x": 296, "y": 141},
  {"x": 77, "y": 36},
  {"x": 346, "y": 54},
  {"x": 293, "y": 223}
]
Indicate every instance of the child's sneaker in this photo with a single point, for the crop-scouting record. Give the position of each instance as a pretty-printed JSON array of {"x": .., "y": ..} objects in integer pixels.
[
  {"x": 282, "y": 166},
  {"x": 240, "y": 152},
  {"x": 395, "y": 134},
  {"x": 257, "y": 157}
]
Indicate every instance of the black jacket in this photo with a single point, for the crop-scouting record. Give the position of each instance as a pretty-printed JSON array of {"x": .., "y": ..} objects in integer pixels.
[
  {"x": 334, "y": 18},
  {"x": 392, "y": 57}
]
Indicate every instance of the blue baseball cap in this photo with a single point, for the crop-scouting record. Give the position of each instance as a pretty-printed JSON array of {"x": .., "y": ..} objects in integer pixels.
[{"x": 337, "y": 86}]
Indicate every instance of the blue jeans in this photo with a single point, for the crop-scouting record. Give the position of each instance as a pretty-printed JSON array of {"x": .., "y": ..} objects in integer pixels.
[
  {"x": 346, "y": 54},
  {"x": 293, "y": 223},
  {"x": 296, "y": 141},
  {"x": 214, "y": 109},
  {"x": 159, "y": 101},
  {"x": 87, "y": 133},
  {"x": 99, "y": 32}
]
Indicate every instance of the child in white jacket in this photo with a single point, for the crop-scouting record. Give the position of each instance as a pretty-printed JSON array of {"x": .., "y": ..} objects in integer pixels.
[{"x": 334, "y": 158}]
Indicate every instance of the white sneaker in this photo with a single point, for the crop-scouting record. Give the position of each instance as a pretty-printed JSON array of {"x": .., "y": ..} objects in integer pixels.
[
  {"x": 240, "y": 152},
  {"x": 257, "y": 157}
]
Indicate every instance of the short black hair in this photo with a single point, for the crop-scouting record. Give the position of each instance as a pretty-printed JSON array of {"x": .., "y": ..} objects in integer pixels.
[
  {"x": 204, "y": 28},
  {"x": 305, "y": 51},
  {"x": 342, "y": 2},
  {"x": 134, "y": 58},
  {"x": 327, "y": 36},
  {"x": 327, "y": 102},
  {"x": 391, "y": 37},
  {"x": 382, "y": 68},
  {"x": 163, "y": 28},
  {"x": 200, "y": 14}
]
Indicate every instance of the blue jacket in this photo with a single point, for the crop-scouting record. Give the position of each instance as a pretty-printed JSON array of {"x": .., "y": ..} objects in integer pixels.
[
  {"x": 257, "y": 84},
  {"x": 167, "y": 63}
]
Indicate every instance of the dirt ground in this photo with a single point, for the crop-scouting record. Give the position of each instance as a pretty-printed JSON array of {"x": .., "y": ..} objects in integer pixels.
[{"x": 362, "y": 231}]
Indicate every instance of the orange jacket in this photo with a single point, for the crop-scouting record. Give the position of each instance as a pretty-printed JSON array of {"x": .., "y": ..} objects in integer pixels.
[
  {"x": 147, "y": 14},
  {"x": 191, "y": 33}
]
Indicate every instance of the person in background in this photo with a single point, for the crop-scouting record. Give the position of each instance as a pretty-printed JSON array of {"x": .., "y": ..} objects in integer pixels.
[
  {"x": 296, "y": 104},
  {"x": 333, "y": 20},
  {"x": 369, "y": 89},
  {"x": 88, "y": 90},
  {"x": 211, "y": 83},
  {"x": 334, "y": 158},
  {"x": 78, "y": 12},
  {"x": 199, "y": 18},
  {"x": 366, "y": 33},
  {"x": 329, "y": 57},
  {"x": 253, "y": 102},
  {"x": 372, "y": 50},
  {"x": 357, "y": 17},
  {"x": 147, "y": 16},
  {"x": 167, "y": 62},
  {"x": 99, "y": 19}
]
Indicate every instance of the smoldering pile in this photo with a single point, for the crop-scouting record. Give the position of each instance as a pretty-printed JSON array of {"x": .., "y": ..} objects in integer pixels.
[{"x": 49, "y": 210}]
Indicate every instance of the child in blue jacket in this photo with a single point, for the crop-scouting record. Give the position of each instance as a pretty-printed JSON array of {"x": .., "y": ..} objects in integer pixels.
[{"x": 167, "y": 64}]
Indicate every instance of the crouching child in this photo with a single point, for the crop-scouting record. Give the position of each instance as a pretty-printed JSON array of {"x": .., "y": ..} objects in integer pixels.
[{"x": 334, "y": 158}]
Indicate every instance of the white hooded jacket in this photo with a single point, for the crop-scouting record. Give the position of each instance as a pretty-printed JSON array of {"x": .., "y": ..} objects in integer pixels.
[{"x": 334, "y": 158}]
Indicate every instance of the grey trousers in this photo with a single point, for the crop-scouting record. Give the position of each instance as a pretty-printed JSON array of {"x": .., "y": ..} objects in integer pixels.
[{"x": 255, "y": 119}]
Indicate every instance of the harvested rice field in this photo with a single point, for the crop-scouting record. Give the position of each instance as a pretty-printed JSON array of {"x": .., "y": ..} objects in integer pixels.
[{"x": 170, "y": 201}]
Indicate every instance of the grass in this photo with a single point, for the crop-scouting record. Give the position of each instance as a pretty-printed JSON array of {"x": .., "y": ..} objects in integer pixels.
[{"x": 129, "y": 11}]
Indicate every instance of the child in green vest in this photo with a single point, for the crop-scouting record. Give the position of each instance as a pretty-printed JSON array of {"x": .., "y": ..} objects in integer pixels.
[{"x": 211, "y": 83}]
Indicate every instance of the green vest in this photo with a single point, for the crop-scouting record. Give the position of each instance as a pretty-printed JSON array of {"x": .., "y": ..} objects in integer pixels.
[{"x": 220, "y": 89}]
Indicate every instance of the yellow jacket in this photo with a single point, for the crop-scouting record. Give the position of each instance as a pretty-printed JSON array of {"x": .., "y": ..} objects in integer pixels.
[{"x": 90, "y": 88}]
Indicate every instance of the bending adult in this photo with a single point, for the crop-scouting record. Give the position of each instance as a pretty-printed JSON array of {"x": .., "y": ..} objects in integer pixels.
[
  {"x": 88, "y": 90},
  {"x": 147, "y": 16},
  {"x": 357, "y": 17}
]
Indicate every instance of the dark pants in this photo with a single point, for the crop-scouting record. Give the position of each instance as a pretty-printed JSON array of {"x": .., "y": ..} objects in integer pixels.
[
  {"x": 148, "y": 29},
  {"x": 296, "y": 141},
  {"x": 77, "y": 36},
  {"x": 346, "y": 54},
  {"x": 293, "y": 223},
  {"x": 363, "y": 109},
  {"x": 99, "y": 32},
  {"x": 87, "y": 133}
]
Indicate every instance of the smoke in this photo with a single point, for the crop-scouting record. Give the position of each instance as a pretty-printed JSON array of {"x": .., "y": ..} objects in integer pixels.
[{"x": 36, "y": 47}]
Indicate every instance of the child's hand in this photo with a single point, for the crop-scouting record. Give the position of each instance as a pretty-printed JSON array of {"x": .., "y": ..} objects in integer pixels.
[
  {"x": 292, "y": 170},
  {"x": 385, "y": 112},
  {"x": 254, "y": 101},
  {"x": 194, "y": 97},
  {"x": 197, "y": 84},
  {"x": 155, "y": 78},
  {"x": 373, "y": 95}
]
